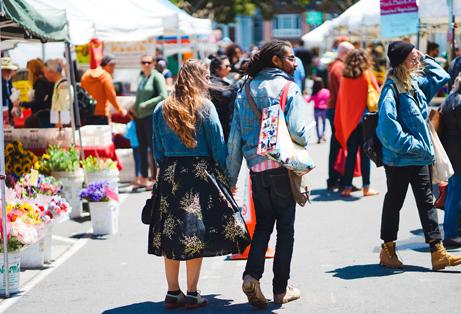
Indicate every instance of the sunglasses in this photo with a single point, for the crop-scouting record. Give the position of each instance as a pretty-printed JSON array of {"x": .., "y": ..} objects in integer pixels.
[{"x": 146, "y": 62}]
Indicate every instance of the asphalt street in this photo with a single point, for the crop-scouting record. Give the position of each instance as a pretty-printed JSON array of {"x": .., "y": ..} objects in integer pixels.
[{"x": 335, "y": 264}]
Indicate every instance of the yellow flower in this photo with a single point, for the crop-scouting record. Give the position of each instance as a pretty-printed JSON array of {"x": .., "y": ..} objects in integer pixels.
[{"x": 45, "y": 156}]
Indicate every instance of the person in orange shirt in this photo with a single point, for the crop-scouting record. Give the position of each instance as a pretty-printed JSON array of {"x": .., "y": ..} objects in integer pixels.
[
  {"x": 98, "y": 83},
  {"x": 351, "y": 105}
]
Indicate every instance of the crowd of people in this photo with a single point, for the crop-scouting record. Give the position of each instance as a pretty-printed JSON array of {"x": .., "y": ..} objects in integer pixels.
[{"x": 196, "y": 130}]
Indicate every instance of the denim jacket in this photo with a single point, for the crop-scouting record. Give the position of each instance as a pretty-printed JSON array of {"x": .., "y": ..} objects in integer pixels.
[
  {"x": 266, "y": 88},
  {"x": 404, "y": 134},
  {"x": 209, "y": 136}
]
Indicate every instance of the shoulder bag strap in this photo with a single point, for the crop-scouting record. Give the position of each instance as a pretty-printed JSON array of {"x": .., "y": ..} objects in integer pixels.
[
  {"x": 284, "y": 95},
  {"x": 251, "y": 101}
]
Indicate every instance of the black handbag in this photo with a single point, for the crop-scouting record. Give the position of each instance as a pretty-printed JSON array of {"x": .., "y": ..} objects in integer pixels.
[{"x": 148, "y": 211}]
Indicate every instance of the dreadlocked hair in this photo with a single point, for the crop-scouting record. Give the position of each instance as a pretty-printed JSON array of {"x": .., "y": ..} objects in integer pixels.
[
  {"x": 263, "y": 58},
  {"x": 181, "y": 108}
]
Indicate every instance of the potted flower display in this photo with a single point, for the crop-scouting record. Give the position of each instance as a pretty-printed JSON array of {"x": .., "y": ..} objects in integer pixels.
[
  {"x": 64, "y": 166},
  {"x": 35, "y": 219},
  {"x": 44, "y": 192},
  {"x": 20, "y": 233},
  {"x": 101, "y": 169},
  {"x": 104, "y": 207}
]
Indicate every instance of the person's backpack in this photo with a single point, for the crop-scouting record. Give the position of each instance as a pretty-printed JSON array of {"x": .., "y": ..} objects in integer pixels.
[
  {"x": 86, "y": 103},
  {"x": 371, "y": 144}
]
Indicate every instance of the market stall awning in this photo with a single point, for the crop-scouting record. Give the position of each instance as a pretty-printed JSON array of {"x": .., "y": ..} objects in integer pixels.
[
  {"x": 125, "y": 20},
  {"x": 317, "y": 37},
  {"x": 23, "y": 21}
]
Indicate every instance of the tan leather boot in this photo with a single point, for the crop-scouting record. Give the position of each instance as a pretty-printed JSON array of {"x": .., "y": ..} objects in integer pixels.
[
  {"x": 388, "y": 257},
  {"x": 289, "y": 295},
  {"x": 252, "y": 289},
  {"x": 441, "y": 258}
]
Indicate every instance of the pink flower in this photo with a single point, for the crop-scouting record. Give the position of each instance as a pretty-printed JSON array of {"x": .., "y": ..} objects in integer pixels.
[{"x": 26, "y": 234}]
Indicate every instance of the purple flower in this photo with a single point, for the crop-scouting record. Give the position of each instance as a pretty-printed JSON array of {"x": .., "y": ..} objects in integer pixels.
[{"x": 95, "y": 192}]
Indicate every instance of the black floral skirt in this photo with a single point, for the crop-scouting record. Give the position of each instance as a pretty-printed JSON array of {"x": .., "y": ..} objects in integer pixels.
[{"x": 195, "y": 214}]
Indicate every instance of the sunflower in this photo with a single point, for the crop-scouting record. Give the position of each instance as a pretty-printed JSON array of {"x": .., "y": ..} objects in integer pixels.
[
  {"x": 8, "y": 168},
  {"x": 9, "y": 149},
  {"x": 18, "y": 169}
]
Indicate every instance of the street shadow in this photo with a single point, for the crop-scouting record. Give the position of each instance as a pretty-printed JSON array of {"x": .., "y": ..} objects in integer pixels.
[
  {"x": 82, "y": 219},
  {"x": 87, "y": 235},
  {"x": 323, "y": 195},
  {"x": 215, "y": 305},
  {"x": 372, "y": 270}
]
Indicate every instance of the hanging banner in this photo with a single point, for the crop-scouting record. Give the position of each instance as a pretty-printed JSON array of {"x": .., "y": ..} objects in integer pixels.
[{"x": 398, "y": 18}]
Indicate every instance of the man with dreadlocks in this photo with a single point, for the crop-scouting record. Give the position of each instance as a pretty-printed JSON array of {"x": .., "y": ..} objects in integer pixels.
[{"x": 268, "y": 71}]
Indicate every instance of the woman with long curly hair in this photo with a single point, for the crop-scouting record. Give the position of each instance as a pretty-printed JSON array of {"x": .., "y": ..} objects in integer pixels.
[
  {"x": 195, "y": 215},
  {"x": 407, "y": 149},
  {"x": 351, "y": 106}
]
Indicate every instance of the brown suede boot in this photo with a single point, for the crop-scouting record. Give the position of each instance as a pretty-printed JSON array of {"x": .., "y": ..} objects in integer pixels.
[
  {"x": 388, "y": 257},
  {"x": 441, "y": 258}
]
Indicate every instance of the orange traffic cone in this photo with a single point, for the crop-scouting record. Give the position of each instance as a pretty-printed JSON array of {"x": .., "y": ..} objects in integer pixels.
[{"x": 249, "y": 215}]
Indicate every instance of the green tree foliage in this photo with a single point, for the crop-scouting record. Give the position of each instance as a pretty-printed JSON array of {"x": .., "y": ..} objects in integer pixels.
[{"x": 224, "y": 11}]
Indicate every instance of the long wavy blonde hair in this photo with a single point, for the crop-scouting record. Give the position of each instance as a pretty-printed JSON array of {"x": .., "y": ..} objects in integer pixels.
[{"x": 180, "y": 109}]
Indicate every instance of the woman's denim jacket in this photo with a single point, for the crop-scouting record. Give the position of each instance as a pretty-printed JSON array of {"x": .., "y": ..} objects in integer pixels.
[
  {"x": 404, "y": 134},
  {"x": 209, "y": 136},
  {"x": 266, "y": 88}
]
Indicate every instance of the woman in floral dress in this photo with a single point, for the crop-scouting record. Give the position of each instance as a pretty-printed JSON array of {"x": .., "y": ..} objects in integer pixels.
[{"x": 195, "y": 215}]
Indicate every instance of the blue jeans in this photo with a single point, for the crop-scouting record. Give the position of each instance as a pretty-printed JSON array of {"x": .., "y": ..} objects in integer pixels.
[
  {"x": 320, "y": 114},
  {"x": 137, "y": 161},
  {"x": 354, "y": 143},
  {"x": 452, "y": 208},
  {"x": 334, "y": 178},
  {"x": 274, "y": 205}
]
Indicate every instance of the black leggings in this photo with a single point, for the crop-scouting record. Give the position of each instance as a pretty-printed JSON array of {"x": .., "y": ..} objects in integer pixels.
[{"x": 144, "y": 129}]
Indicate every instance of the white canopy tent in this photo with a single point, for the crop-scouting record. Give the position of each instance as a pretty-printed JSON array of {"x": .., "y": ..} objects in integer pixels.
[
  {"x": 365, "y": 15},
  {"x": 124, "y": 20},
  {"x": 317, "y": 37}
]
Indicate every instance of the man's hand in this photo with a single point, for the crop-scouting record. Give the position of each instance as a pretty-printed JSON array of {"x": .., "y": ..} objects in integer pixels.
[{"x": 234, "y": 190}]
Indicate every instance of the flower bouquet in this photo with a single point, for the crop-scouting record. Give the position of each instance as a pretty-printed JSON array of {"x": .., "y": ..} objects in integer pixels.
[
  {"x": 18, "y": 235},
  {"x": 64, "y": 166},
  {"x": 101, "y": 169},
  {"x": 28, "y": 226},
  {"x": 104, "y": 207}
]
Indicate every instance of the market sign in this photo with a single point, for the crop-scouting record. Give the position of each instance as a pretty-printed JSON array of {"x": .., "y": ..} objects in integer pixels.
[
  {"x": 314, "y": 18},
  {"x": 398, "y": 18}
]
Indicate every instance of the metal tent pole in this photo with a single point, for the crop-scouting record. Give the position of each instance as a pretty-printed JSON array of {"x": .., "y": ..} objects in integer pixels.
[
  {"x": 6, "y": 272},
  {"x": 76, "y": 115},
  {"x": 178, "y": 36}
]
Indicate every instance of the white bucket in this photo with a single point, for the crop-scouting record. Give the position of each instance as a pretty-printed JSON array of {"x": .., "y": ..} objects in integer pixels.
[
  {"x": 33, "y": 255},
  {"x": 14, "y": 270},
  {"x": 72, "y": 185},
  {"x": 48, "y": 241},
  {"x": 104, "y": 217},
  {"x": 111, "y": 176}
]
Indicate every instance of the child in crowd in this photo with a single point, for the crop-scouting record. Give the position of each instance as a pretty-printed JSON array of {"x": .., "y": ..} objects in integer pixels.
[
  {"x": 133, "y": 138},
  {"x": 320, "y": 97}
]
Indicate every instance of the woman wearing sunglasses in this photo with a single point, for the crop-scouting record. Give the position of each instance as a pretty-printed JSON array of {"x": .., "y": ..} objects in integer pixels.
[
  {"x": 223, "y": 91},
  {"x": 151, "y": 91}
]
